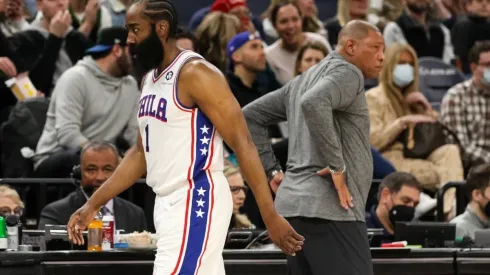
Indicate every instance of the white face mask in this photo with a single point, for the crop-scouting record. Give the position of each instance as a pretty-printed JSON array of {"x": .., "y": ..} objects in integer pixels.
[
  {"x": 486, "y": 77},
  {"x": 403, "y": 75}
]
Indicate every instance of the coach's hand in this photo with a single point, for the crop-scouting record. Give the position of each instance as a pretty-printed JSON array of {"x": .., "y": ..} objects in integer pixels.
[
  {"x": 79, "y": 222},
  {"x": 340, "y": 185},
  {"x": 276, "y": 181},
  {"x": 283, "y": 235}
]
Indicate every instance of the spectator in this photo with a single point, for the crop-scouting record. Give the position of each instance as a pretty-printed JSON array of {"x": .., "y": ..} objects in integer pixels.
[
  {"x": 187, "y": 41},
  {"x": 475, "y": 27},
  {"x": 64, "y": 45},
  {"x": 246, "y": 59},
  {"x": 89, "y": 17},
  {"x": 116, "y": 11},
  {"x": 235, "y": 7},
  {"x": 398, "y": 196},
  {"x": 393, "y": 105},
  {"x": 94, "y": 100},
  {"x": 214, "y": 33},
  {"x": 282, "y": 55},
  {"x": 309, "y": 55},
  {"x": 464, "y": 109},
  {"x": 239, "y": 193},
  {"x": 12, "y": 19},
  {"x": 456, "y": 9},
  {"x": 347, "y": 10},
  {"x": 10, "y": 202},
  {"x": 414, "y": 27},
  {"x": 98, "y": 160},
  {"x": 477, "y": 214},
  {"x": 308, "y": 9}
]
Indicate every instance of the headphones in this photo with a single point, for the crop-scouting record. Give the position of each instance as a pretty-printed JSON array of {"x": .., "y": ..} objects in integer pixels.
[{"x": 76, "y": 172}]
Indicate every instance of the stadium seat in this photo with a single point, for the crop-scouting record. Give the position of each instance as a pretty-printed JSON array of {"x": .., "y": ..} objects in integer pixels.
[{"x": 437, "y": 77}]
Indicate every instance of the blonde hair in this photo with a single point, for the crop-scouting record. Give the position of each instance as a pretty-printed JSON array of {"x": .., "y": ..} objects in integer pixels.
[
  {"x": 343, "y": 12},
  {"x": 230, "y": 170},
  {"x": 394, "y": 93},
  {"x": 9, "y": 192},
  {"x": 214, "y": 33}
]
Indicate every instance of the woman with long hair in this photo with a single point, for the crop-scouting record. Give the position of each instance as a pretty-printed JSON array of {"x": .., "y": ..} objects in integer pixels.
[
  {"x": 309, "y": 11},
  {"x": 214, "y": 33},
  {"x": 309, "y": 55},
  {"x": 394, "y": 105},
  {"x": 281, "y": 55}
]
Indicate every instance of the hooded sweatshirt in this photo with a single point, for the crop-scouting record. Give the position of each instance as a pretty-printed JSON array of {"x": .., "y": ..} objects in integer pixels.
[{"x": 88, "y": 105}]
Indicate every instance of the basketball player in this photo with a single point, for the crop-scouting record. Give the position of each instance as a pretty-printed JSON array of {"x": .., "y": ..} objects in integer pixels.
[{"x": 186, "y": 108}]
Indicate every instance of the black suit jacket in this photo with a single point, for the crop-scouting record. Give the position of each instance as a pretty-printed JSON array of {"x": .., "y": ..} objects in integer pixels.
[{"x": 128, "y": 216}]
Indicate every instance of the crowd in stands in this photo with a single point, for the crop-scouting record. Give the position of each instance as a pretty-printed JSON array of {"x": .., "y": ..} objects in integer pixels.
[{"x": 86, "y": 97}]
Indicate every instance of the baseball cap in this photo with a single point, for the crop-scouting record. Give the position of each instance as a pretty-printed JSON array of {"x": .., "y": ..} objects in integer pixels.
[
  {"x": 227, "y": 5},
  {"x": 237, "y": 42},
  {"x": 107, "y": 38}
]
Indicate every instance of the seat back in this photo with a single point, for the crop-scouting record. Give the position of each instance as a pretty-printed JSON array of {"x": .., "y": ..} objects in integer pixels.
[{"x": 437, "y": 77}]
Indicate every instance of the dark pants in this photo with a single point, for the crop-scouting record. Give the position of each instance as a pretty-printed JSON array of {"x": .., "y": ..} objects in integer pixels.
[
  {"x": 331, "y": 247},
  {"x": 59, "y": 164}
]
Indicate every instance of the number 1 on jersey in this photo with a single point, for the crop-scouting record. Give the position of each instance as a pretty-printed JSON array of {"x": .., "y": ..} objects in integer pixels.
[{"x": 147, "y": 133}]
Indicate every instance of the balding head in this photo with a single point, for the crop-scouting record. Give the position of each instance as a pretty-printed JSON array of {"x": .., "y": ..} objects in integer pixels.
[
  {"x": 362, "y": 44},
  {"x": 356, "y": 30}
]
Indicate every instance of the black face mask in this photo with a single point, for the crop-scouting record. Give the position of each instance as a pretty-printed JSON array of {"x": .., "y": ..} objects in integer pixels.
[
  {"x": 401, "y": 213},
  {"x": 417, "y": 9},
  {"x": 148, "y": 54}
]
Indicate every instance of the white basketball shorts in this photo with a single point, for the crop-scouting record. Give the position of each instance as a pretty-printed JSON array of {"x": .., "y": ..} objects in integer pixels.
[{"x": 192, "y": 225}]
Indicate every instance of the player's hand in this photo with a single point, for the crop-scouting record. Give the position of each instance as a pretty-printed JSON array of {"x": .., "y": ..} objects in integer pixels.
[
  {"x": 283, "y": 235},
  {"x": 276, "y": 181},
  {"x": 345, "y": 197},
  {"x": 79, "y": 222}
]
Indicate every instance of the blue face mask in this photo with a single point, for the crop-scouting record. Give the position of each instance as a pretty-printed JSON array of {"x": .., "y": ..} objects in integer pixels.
[
  {"x": 403, "y": 75},
  {"x": 486, "y": 77}
]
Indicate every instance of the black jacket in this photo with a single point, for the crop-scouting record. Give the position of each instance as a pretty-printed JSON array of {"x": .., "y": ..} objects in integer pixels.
[
  {"x": 128, "y": 216},
  {"x": 465, "y": 33}
]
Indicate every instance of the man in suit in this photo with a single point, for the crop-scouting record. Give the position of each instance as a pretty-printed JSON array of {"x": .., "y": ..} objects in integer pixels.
[{"x": 98, "y": 160}]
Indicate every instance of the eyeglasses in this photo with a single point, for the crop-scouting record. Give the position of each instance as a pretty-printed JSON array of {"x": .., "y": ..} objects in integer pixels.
[
  {"x": 5, "y": 211},
  {"x": 236, "y": 189}
]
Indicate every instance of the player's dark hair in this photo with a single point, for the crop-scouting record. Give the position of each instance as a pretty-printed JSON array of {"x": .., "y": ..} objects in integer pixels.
[
  {"x": 396, "y": 180},
  {"x": 478, "y": 179},
  {"x": 162, "y": 10}
]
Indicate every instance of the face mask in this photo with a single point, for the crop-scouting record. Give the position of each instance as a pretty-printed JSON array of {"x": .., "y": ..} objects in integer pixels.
[
  {"x": 403, "y": 75},
  {"x": 486, "y": 77},
  {"x": 401, "y": 213}
]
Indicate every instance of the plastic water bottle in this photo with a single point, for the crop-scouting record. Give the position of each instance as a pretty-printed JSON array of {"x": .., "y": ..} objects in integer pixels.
[
  {"x": 12, "y": 222},
  {"x": 95, "y": 234}
]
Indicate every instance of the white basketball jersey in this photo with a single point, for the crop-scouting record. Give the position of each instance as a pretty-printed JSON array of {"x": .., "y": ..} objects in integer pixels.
[{"x": 181, "y": 144}]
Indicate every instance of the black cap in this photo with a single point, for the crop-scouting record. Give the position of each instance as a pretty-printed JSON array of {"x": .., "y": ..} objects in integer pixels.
[{"x": 107, "y": 38}]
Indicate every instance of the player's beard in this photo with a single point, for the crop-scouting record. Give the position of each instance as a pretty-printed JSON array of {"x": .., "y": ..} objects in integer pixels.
[{"x": 148, "y": 54}]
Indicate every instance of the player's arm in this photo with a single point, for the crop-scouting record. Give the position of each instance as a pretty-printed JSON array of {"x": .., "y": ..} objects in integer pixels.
[
  {"x": 132, "y": 167},
  {"x": 208, "y": 89}
]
